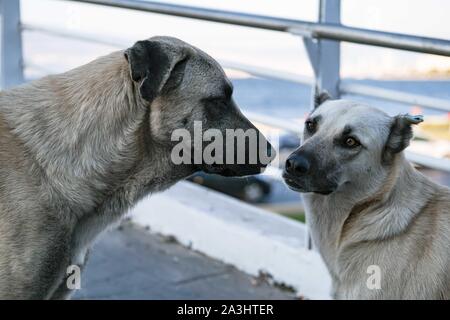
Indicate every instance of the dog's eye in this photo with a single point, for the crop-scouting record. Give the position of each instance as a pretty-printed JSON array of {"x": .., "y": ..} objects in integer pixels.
[
  {"x": 351, "y": 142},
  {"x": 218, "y": 102},
  {"x": 310, "y": 126}
]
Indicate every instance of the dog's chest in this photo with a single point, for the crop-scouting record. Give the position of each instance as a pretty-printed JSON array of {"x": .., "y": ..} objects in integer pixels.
[
  {"x": 321, "y": 219},
  {"x": 111, "y": 211},
  {"x": 86, "y": 232}
]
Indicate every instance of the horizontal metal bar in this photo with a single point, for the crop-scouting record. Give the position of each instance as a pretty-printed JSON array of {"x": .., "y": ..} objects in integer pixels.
[
  {"x": 268, "y": 73},
  {"x": 302, "y": 28},
  {"x": 229, "y": 17},
  {"x": 429, "y": 162},
  {"x": 284, "y": 124},
  {"x": 394, "y": 95},
  {"x": 45, "y": 70},
  {"x": 64, "y": 33}
]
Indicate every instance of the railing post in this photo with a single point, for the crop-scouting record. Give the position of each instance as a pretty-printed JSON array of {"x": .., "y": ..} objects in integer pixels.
[
  {"x": 329, "y": 50},
  {"x": 325, "y": 56},
  {"x": 11, "y": 66}
]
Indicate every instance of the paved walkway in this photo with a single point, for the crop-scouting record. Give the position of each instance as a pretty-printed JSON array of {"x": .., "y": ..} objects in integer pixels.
[{"x": 131, "y": 263}]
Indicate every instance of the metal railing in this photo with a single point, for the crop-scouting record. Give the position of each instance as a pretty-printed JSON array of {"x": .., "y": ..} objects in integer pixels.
[
  {"x": 320, "y": 40},
  {"x": 303, "y": 28}
]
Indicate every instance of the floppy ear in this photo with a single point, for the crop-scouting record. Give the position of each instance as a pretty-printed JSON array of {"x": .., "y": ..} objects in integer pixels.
[
  {"x": 151, "y": 64},
  {"x": 400, "y": 135},
  {"x": 320, "y": 97}
]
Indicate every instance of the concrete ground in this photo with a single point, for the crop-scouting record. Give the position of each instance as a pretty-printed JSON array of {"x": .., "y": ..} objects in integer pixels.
[{"x": 131, "y": 263}]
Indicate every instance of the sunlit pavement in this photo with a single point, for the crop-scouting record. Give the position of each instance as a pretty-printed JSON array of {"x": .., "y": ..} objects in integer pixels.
[{"x": 131, "y": 263}]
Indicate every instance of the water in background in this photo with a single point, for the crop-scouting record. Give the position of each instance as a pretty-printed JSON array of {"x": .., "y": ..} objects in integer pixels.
[{"x": 290, "y": 100}]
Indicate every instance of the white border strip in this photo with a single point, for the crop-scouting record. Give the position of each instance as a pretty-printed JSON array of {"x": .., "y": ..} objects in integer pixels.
[{"x": 226, "y": 229}]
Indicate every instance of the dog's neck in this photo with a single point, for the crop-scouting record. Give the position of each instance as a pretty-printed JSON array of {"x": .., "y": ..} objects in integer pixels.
[
  {"x": 87, "y": 130},
  {"x": 339, "y": 220}
]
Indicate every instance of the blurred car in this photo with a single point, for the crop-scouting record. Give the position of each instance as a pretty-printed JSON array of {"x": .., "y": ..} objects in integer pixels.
[
  {"x": 287, "y": 143},
  {"x": 251, "y": 189}
]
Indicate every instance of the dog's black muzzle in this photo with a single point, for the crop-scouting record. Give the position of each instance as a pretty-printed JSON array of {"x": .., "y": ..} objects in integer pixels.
[{"x": 302, "y": 174}]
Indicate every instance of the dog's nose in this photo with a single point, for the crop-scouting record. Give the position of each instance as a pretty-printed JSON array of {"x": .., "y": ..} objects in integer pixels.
[{"x": 297, "y": 164}]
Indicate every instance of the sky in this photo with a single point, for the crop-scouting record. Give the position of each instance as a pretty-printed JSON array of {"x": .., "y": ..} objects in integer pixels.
[{"x": 275, "y": 50}]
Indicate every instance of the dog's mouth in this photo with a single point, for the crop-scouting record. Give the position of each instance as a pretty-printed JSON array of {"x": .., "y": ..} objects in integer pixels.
[
  {"x": 292, "y": 184},
  {"x": 295, "y": 185},
  {"x": 234, "y": 170}
]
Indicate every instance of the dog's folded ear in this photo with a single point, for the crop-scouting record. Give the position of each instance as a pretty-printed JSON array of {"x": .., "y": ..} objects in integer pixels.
[
  {"x": 153, "y": 64},
  {"x": 320, "y": 97},
  {"x": 400, "y": 135}
]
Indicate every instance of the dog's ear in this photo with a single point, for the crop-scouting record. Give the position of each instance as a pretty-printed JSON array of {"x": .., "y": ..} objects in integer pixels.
[
  {"x": 153, "y": 63},
  {"x": 320, "y": 97},
  {"x": 400, "y": 135}
]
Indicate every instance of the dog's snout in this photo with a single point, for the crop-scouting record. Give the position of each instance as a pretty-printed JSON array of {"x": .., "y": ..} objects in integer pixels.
[{"x": 297, "y": 164}]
